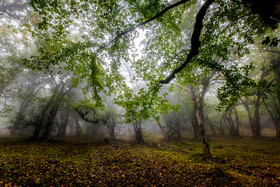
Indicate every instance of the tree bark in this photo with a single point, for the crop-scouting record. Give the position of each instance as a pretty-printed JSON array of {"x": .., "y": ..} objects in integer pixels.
[
  {"x": 49, "y": 113},
  {"x": 276, "y": 63},
  {"x": 254, "y": 120},
  {"x": 64, "y": 124},
  {"x": 39, "y": 124},
  {"x": 257, "y": 116},
  {"x": 164, "y": 130},
  {"x": 233, "y": 124},
  {"x": 274, "y": 115},
  {"x": 111, "y": 125},
  {"x": 212, "y": 127},
  {"x": 78, "y": 127},
  {"x": 50, "y": 122},
  {"x": 200, "y": 119},
  {"x": 138, "y": 131},
  {"x": 195, "y": 127},
  {"x": 237, "y": 123}
]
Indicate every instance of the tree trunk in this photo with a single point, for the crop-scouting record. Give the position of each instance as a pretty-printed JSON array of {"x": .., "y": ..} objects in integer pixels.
[
  {"x": 200, "y": 119},
  {"x": 274, "y": 113},
  {"x": 17, "y": 123},
  {"x": 212, "y": 127},
  {"x": 50, "y": 122},
  {"x": 277, "y": 104},
  {"x": 22, "y": 109},
  {"x": 233, "y": 124},
  {"x": 64, "y": 124},
  {"x": 40, "y": 123},
  {"x": 164, "y": 129},
  {"x": 257, "y": 116},
  {"x": 276, "y": 63},
  {"x": 178, "y": 128},
  {"x": 254, "y": 121},
  {"x": 195, "y": 127},
  {"x": 171, "y": 128},
  {"x": 221, "y": 128},
  {"x": 112, "y": 133},
  {"x": 138, "y": 131},
  {"x": 229, "y": 120},
  {"x": 237, "y": 123},
  {"x": 111, "y": 125},
  {"x": 78, "y": 127},
  {"x": 206, "y": 147}
]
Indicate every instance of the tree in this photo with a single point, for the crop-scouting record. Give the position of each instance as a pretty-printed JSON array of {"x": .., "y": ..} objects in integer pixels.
[
  {"x": 63, "y": 122},
  {"x": 199, "y": 114},
  {"x": 45, "y": 119},
  {"x": 233, "y": 124},
  {"x": 271, "y": 99},
  {"x": 198, "y": 99},
  {"x": 221, "y": 28},
  {"x": 111, "y": 118},
  {"x": 31, "y": 85},
  {"x": 78, "y": 127}
]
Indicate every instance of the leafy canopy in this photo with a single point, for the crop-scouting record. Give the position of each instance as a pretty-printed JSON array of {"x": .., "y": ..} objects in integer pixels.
[{"x": 95, "y": 39}]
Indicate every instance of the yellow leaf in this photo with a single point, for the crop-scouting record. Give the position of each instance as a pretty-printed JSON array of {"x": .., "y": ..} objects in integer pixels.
[{"x": 37, "y": 180}]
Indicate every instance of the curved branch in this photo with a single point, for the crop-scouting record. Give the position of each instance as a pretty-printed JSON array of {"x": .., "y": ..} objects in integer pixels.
[
  {"x": 116, "y": 38},
  {"x": 195, "y": 43}
]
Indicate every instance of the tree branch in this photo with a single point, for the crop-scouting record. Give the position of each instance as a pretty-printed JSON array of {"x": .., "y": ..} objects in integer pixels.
[
  {"x": 116, "y": 38},
  {"x": 195, "y": 43},
  {"x": 240, "y": 3},
  {"x": 274, "y": 51}
]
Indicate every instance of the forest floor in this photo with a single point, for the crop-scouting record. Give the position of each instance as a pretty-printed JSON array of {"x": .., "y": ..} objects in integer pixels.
[{"x": 235, "y": 162}]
